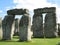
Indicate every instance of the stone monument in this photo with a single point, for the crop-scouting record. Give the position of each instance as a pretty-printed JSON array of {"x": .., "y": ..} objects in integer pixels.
[
  {"x": 24, "y": 26},
  {"x": 49, "y": 29}
]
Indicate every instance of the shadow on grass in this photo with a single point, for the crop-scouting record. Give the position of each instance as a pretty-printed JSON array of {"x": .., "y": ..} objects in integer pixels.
[
  {"x": 13, "y": 41},
  {"x": 8, "y": 41}
]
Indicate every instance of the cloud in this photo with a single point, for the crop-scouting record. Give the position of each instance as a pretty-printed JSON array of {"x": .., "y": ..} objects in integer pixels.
[
  {"x": 58, "y": 14},
  {"x": 33, "y": 4},
  {"x": 8, "y": 8},
  {"x": 1, "y": 11}
]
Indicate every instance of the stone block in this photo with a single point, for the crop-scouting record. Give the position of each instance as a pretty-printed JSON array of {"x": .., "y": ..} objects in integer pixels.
[
  {"x": 37, "y": 26},
  {"x": 45, "y": 10},
  {"x": 25, "y": 29},
  {"x": 7, "y": 24},
  {"x": 16, "y": 30},
  {"x": 59, "y": 29},
  {"x": 1, "y": 33},
  {"x": 15, "y": 12},
  {"x": 50, "y": 27}
]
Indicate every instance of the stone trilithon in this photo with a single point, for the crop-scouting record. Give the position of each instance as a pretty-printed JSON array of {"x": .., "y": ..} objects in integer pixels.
[
  {"x": 24, "y": 26},
  {"x": 49, "y": 29}
]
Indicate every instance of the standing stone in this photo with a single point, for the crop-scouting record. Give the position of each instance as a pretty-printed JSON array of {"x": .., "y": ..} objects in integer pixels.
[
  {"x": 12, "y": 29},
  {"x": 50, "y": 25},
  {"x": 7, "y": 27},
  {"x": 59, "y": 29},
  {"x": 25, "y": 28},
  {"x": 16, "y": 30},
  {"x": 1, "y": 28},
  {"x": 4, "y": 27},
  {"x": 37, "y": 26}
]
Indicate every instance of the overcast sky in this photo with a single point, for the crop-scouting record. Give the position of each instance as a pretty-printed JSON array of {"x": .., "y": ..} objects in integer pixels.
[{"x": 29, "y": 4}]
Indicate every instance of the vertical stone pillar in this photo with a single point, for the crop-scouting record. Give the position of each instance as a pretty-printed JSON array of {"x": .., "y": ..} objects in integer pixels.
[
  {"x": 59, "y": 29},
  {"x": 50, "y": 25},
  {"x": 4, "y": 28},
  {"x": 16, "y": 30},
  {"x": 25, "y": 28},
  {"x": 1, "y": 33},
  {"x": 12, "y": 29},
  {"x": 37, "y": 26},
  {"x": 7, "y": 27}
]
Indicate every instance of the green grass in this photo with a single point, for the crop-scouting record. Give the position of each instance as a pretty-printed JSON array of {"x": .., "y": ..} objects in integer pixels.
[{"x": 35, "y": 41}]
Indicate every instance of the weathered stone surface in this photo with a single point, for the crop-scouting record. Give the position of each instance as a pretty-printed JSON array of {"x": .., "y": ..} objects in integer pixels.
[
  {"x": 50, "y": 28},
  {"x": 59, "y": 29},
  {"x": 37, "y": 26},
  {"x": 1, "y": 33},
  {"x": 7, "y": 27},
  {"x": 18, "y": 11},
  {"x": 26, "y": 11},
  {"x": 25, "y": 28},
  {"x": 15, "y": 12},
  {"x": 16, "y": 30},
  {"x": 12, "y": 29},
  {"x": 24, "y": 25},
  {"x": 45, "y": 10}
]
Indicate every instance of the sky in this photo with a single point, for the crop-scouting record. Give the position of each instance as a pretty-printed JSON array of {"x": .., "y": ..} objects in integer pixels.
[{"x": 29, "y": 4}]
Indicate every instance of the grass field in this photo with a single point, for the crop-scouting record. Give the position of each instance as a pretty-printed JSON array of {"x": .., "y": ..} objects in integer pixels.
[{"x": 35, "y": 41}]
